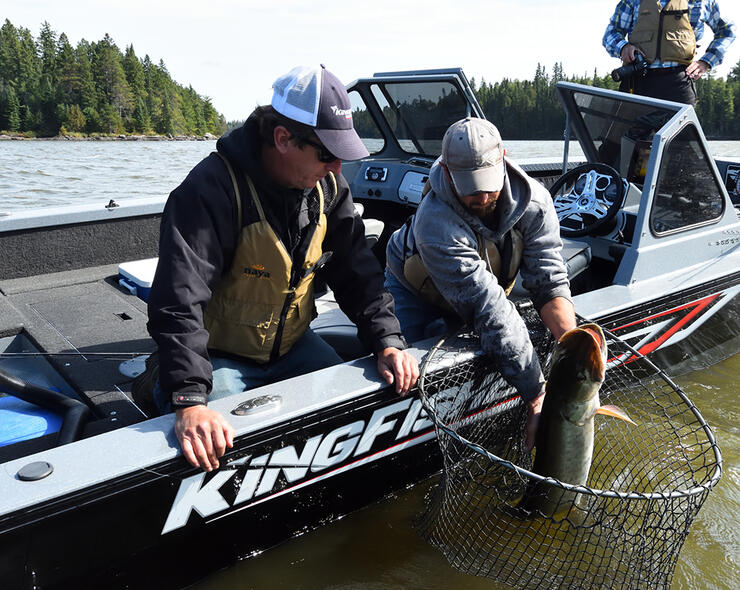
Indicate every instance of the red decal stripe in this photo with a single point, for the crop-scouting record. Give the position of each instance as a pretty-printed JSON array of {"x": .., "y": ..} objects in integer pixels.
[
  {"x": 700, "y": 306},
  {"x": 700, "y": 302}
]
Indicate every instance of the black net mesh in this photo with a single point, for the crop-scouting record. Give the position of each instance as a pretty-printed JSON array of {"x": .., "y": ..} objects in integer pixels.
[{"x": 623, "y": 529}]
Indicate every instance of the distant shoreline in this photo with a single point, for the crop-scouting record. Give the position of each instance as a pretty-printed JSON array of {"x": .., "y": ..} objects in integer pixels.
[{"x": 120, "y": 137}]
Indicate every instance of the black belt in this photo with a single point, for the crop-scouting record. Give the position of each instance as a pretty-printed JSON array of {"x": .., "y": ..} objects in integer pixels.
[{"x": 664, "y": 71}]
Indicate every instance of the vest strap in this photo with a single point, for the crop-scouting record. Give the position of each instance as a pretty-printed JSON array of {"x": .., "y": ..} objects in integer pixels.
[
  {"x": 332, "y": 183},
  {"x": 237, "y": 194},
  {"x": 255, "y": 197}
]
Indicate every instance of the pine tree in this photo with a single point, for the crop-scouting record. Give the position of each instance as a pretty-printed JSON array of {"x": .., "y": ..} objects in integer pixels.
[
  {"x": 166, "y": 125},
  {"x": 29, "y": 70},
  {"x": 134, "y": 70},
  {"x": 67, "y": 72},
  {"x": 141, "y": 119},
  {"x": 93, "y": 121},
  {"x": 47, "y": 46},
  {"x": 88, "y": 92},
  {"x": 75, "y": 120},
  {"x": 9, "y": 52},
  {"x": 113, "y": 89},
  {"x": 10, "y": 115},
  {"x": 47, "y": 95}
]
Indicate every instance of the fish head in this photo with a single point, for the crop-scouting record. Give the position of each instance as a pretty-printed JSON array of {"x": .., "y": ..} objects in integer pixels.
[{"x": 578, "y": 364}]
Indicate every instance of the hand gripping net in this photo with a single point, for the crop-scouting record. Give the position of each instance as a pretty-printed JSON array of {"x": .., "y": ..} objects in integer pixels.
[{"x": 625, "y": 527}]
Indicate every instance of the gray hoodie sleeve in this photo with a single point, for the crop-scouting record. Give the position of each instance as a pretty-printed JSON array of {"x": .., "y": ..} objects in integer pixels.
[
  {"x": 449, "y": 250},
  {"x": 543, "y": 271}
]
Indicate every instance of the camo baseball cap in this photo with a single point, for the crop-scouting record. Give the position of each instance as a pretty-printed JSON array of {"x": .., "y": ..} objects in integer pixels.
[
  {"x": 312, "y": 95},
  {"x": 473, "y": 153}
]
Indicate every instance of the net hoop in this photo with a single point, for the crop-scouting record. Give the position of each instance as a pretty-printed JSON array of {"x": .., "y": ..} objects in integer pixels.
[{"x": 699, "y": 489}]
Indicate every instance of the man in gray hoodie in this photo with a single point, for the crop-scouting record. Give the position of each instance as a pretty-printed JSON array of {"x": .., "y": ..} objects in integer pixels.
[{"x": 482, "y": 221}]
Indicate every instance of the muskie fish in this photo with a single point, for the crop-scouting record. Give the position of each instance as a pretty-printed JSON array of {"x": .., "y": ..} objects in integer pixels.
[{"x": 565, "y": 436}]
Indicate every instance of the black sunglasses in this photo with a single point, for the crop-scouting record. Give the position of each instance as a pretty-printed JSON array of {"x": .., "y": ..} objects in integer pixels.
[{"x": 324, "y": 155}]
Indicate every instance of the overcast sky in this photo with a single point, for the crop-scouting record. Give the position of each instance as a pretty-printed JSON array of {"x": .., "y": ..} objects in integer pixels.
[{"x": 232, "y": 50}]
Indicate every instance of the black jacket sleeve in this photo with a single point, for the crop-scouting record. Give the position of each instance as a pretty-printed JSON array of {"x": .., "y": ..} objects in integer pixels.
[
  {"x": 197, "y": 239},
  {"x": 356, "y": 276}
]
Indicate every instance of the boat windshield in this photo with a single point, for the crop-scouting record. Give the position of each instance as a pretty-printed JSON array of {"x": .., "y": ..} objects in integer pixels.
[
  {"x": 419, "y": 113},
  {"x": 621, "y": 132}
]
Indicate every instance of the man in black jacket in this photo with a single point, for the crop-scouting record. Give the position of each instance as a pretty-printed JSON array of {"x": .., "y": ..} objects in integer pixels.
[{"x": 241, "y": 240}]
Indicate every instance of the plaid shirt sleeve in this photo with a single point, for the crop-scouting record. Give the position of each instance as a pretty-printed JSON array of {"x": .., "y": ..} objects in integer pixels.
[
  {"x": 724, "y": 33},
  {"x": 620, "y": 25}
]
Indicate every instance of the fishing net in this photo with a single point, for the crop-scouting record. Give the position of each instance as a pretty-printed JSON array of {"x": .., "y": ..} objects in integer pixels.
[{"x": 623, "y": 529}]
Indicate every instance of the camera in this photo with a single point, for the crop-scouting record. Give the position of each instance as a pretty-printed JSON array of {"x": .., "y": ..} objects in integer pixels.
[{"x": 637, "y": 67}]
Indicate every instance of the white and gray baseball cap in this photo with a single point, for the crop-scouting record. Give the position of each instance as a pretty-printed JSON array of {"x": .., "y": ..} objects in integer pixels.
[
  {"x": 473, "y": 153},
  {"x": 312, "y": 95}
]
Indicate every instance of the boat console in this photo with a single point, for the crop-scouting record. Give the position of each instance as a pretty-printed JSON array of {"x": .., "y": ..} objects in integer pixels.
[{"x": 401, "y": 117}]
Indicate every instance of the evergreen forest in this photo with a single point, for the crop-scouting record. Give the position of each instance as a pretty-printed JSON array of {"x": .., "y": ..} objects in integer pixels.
[
  {"x": 530, "y": 109},
  {"x": 49, "y": 88}
]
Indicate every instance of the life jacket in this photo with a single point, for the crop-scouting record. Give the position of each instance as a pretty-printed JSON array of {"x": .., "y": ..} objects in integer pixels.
[
  {"x": 666, "y": 34},
  {"x": 504, "y": 265},
  {"x": 261, "y": 307}
]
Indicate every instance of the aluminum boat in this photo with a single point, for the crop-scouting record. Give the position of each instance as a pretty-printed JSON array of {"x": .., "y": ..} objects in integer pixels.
[{"x": 93, "y": 491}]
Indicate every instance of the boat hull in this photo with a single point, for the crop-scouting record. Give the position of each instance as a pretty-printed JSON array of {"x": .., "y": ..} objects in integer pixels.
[
  {"x": 148, "y": 526},
  {"x": 684, "y": 331},
  {"x": 168, "y": 525}
]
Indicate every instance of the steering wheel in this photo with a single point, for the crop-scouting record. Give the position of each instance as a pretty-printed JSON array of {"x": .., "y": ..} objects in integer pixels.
[{"x": 592, "y": 197}]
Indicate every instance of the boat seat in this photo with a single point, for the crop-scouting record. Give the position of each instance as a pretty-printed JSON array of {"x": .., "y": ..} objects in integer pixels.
[
  {"x": 373, "y": 227},
  {"x": 337, "y": 330},
  {"x": 373, "y": 230},
  {"x": 576, "y": 255}
]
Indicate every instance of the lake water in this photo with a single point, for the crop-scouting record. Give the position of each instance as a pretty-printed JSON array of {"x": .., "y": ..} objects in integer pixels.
[
  {"x": 376, "y": 548},
  {"x": 52, "y": 173}
]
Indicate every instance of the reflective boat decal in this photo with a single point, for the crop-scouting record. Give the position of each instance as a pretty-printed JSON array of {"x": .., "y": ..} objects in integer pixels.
[{"x": 672, "y": 325}]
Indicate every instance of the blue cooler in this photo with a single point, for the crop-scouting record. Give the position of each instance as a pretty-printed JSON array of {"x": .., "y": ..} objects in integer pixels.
[{"x": 137, "y": 276}]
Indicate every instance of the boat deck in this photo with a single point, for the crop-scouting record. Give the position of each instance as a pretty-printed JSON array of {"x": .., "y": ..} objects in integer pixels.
[{"x": 77, "y": 318}]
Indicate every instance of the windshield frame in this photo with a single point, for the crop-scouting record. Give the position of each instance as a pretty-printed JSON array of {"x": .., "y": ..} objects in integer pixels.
[
  {"x": 416, "y": 146},
  {"x": 569, "y": 92}
]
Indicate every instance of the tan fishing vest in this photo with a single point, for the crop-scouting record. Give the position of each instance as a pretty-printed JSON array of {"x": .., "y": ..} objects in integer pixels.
[
  {"x": 255, "y": 311},
  {"x": 665, "y": 34},
  {"x": 418, "y": 277}
]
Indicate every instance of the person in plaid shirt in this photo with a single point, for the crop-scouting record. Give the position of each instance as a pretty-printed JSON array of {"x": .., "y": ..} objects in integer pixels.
[{"x": 666, "y": 34}]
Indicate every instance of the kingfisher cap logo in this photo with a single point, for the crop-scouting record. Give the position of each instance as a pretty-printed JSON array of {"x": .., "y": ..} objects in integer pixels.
[
  {"x": 346, "y": 113},
  {"x": 257, "y": 271}
]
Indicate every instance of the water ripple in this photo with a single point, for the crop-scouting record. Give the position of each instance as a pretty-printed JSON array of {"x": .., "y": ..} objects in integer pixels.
[
  {"x": 54, "y": 173},
  {"x": 37, "y": 174}
]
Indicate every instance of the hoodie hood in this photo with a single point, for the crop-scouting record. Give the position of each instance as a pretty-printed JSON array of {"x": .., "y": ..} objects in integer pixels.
[
  {"x": 507, "y": 211},
  {"x": 242, "y": 147}
]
